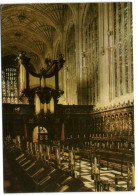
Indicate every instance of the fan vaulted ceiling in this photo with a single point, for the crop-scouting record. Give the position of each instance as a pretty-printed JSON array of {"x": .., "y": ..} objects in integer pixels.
[{"x": 32, "y": 28}]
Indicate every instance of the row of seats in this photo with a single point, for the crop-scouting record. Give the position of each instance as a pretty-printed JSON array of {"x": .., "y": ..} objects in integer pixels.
[{"x": 39, "y": 176}]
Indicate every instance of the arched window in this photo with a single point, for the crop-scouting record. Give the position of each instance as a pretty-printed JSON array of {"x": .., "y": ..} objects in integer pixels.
[
  {"x": 123, "y": 57},
  {"x": 10, "y": 86},
  {"x": 90, "y": 56}
]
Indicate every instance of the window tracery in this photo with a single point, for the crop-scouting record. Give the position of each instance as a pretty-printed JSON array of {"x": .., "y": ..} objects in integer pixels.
[
  {"x": 122, "y": 13},
  {"x": 9, "y": 86}
]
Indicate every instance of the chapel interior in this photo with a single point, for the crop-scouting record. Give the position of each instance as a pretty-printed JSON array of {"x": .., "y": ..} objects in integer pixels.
[{"x": 67, "y": 97}]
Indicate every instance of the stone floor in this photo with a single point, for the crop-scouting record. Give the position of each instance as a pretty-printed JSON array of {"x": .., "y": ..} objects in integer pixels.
[
  {"x": 106, "y": 175},
  {"x": 12, "y": 184}
]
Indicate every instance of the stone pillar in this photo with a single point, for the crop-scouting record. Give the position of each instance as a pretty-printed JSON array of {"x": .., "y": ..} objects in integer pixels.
[
  {"x": 111, "y": 52},
  {"x": 117, "y": 52},
  {"x": 103, "y": 54},
  {"x": 123, "y": 49},
  {"x": 129, "y": 50},
  {"x": 78, "y": 38}
]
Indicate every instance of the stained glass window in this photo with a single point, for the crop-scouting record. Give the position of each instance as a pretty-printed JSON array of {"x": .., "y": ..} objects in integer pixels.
[
  {"x": 122, "y": 18},
  {"x": 9, "y": 86}
]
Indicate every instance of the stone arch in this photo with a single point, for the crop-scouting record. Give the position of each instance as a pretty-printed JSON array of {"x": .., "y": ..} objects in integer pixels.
[
  {"x": 74, "y": 13},
  {"x": 85, "y": 11},
  {"x": 90, "y": 12}
]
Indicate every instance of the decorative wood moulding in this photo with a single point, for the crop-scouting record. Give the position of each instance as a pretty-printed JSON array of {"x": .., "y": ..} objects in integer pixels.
[
  {"x": 75, "y": 109},
  {"x": 21, "y": 109},
  {"x": 45, "y": 94},
  {"x": 115, "y": 106},
  {"x": 84, "y": 109},
  {"x": 51, "y": 66}
]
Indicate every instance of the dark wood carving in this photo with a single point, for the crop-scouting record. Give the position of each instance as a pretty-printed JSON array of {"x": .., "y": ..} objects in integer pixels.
[
  {"x": 45, "y": 94},
  {"x": 51, "y": 66},
  {"x": 110, "y": 122}
]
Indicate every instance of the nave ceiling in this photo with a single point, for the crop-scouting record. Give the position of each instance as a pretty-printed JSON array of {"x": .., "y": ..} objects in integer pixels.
[{"x": 33, "y": 28}]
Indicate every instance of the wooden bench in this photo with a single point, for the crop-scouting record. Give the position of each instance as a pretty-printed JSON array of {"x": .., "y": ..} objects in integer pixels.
[{"x": 113, "y": 165}]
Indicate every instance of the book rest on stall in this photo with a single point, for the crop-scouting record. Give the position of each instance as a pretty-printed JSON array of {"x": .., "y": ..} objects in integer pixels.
[
  {"x": 39, "y": 175},
  {"x": 43, "y": 165}
]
